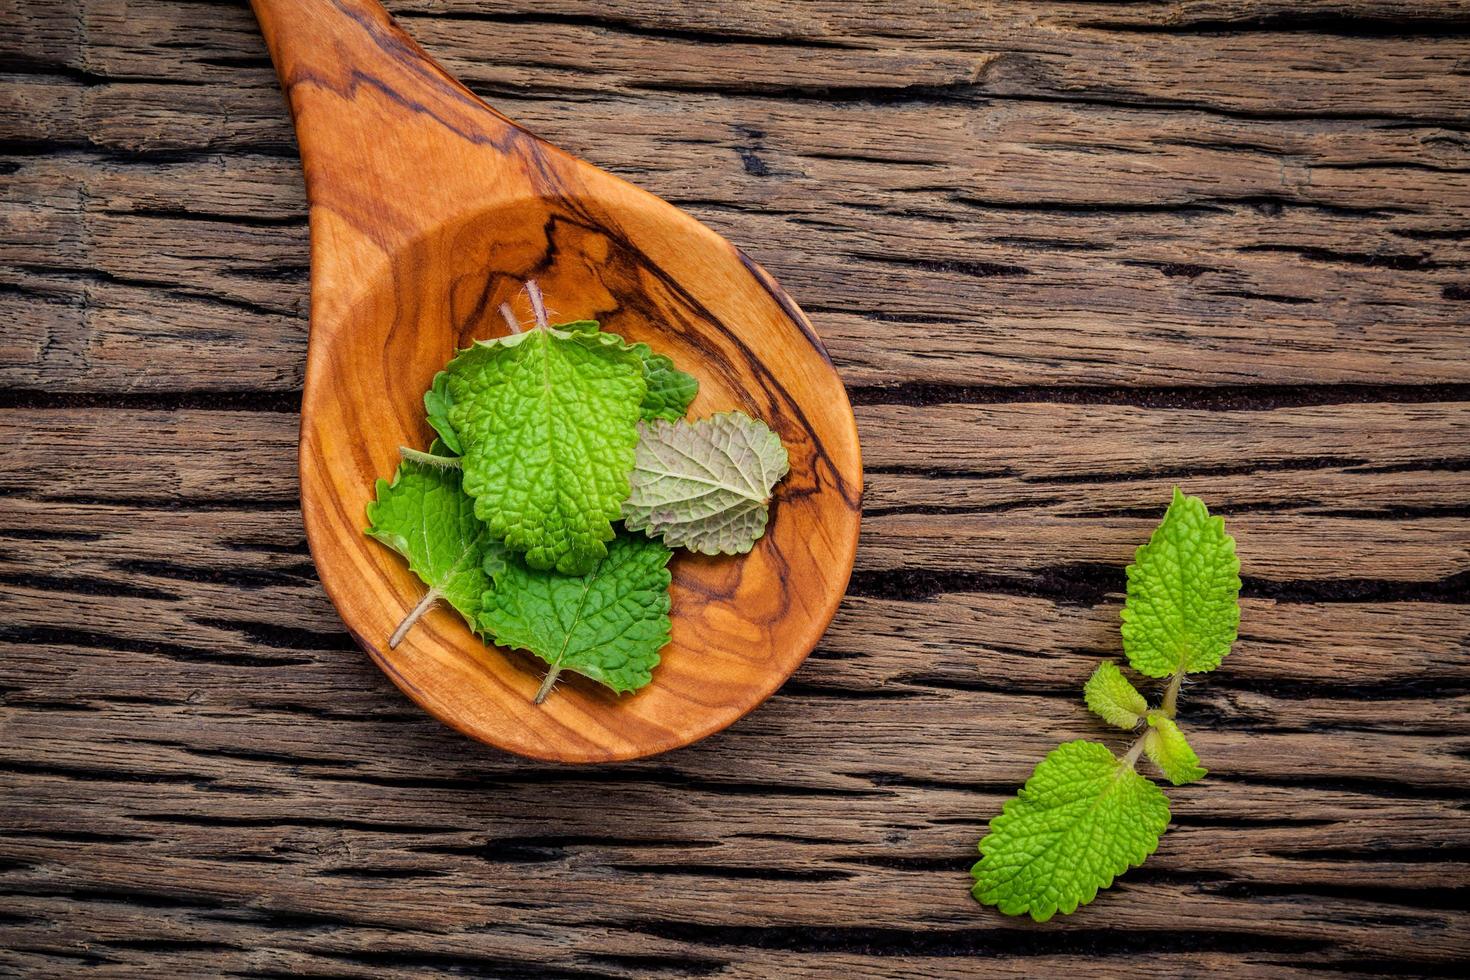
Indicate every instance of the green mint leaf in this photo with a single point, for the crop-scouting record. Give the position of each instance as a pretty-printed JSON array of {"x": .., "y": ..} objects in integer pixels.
[
  {"x": 608, "y": 624},
  {"x": 1112, "y": 698},
  {"x": 669, "y": 390},
  {"x": 425, "y": 517},
  {"x": 705, "y": 485},
  {"x": 1082, "y": 819},
  {"x": 437, "y": 402},
  {"x": 548, "y": 423},
  {"x": 1167, "y": 748},
  {"x": 1182, "y": 610}
]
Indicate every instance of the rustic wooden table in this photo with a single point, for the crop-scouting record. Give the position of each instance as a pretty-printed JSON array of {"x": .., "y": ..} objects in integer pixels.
[{"x": 1065, "y": 255}]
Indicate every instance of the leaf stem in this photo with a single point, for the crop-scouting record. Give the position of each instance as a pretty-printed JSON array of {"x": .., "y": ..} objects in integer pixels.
[
  {"x": 429, "y": 459},
  {"x": 548, "y": 684},
  {"x": 1134, "y": 751},
  {"x": 538, "y": 304},
  {"x": 1170, "y": 703},
  {"x": 509, "y": 316},
  {"x": 430, "y": 597}
]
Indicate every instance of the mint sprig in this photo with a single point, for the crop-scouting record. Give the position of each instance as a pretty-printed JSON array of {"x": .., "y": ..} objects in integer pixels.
[{"x": 1086, "y": 816}]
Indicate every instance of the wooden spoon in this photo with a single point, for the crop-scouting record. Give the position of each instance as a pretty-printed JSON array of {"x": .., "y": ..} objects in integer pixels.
[{"x": 428, "y": 211}]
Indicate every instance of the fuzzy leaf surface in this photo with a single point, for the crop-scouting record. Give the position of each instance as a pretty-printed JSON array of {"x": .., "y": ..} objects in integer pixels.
[
  {"x": 1167, "y": 748},
  {"x": 1182, "y": 609},
  {"x": 548, "y": 422},
  {"x": 608, "y": 624},
  {"x": 705, "y": 485},
  {"x": 1082, "y": 819},
  {"x": 426, "y": 517},
  {"x": 1113, "y": 698}
]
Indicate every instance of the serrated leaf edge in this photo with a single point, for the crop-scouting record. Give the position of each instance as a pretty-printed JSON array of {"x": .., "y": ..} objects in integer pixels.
[
  {"x": 1089, "y": 896},
  {"x": 1215, "y": 522},
  {"x": 663, "y": 604},
  {"x": 671, "y": 535},
  {"x": 1094, "y": 686},
  {"x": 601, "y": 338},
  {"x": 399, "y": 544}
]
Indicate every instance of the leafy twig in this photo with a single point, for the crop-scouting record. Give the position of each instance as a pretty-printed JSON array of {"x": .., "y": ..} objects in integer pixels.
[{"x": 1086, "y": 816}]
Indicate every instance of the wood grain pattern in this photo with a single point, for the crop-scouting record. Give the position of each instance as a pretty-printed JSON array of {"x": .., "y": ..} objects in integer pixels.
[
  {"x": 1064, "y": 255},
  {"x": 428, "y": 212}
]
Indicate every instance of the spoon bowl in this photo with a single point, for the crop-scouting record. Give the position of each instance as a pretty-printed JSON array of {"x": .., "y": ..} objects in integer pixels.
[{"x": 428, "y": 211}]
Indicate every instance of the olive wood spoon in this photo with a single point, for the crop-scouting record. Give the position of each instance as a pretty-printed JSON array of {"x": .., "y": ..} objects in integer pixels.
[{"x": 428, "y": 212}]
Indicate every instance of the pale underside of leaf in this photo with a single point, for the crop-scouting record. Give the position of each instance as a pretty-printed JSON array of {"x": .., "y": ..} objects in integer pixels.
[
  {"x": 705, "y": 485},
  {"x": 1082, "y": 819}
]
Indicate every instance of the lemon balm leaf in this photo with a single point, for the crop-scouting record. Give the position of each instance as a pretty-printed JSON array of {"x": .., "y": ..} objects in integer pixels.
[
  {"x": 608, "y": 624},
  {"x": 548, "y": 423},
  {"x": 1167, "y": 748},
  {"x": 1182, "y": 610},
  {"x": 705, "y": 485},
  {"x": 669, "y": 390},
  {"x": 1083, "y": 818},
  {"x": 1113, "y": 698},
  {"x": 437, "y": 401},
  {"x": 424, "y": 515},
  {"x": 668, "y": 396}
]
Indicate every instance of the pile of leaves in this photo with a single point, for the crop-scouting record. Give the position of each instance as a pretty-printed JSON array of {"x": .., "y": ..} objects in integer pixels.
[{"x": 563, "y": 474}]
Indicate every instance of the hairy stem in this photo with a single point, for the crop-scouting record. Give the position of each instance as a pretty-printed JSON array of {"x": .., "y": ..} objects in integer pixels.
[
  {"x": 548, "y": 684},
  {"x": 443, "y": 462},
  {"x": 509, "y": 316},
  {"x": 1169, "y": 705},
  {"x": 538, "y": 304},
  {"x": 430, "y": 597},
  {"x": 1134, "y": 751},
  {"x": 1171, "y": 695}
]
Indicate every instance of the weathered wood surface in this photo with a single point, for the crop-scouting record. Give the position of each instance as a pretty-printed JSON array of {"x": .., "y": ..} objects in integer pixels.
[{"x": 1064, "y": 255}]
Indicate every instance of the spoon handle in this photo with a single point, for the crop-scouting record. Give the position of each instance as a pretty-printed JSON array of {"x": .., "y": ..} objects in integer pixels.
[{"x": 390, "y": 142}]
